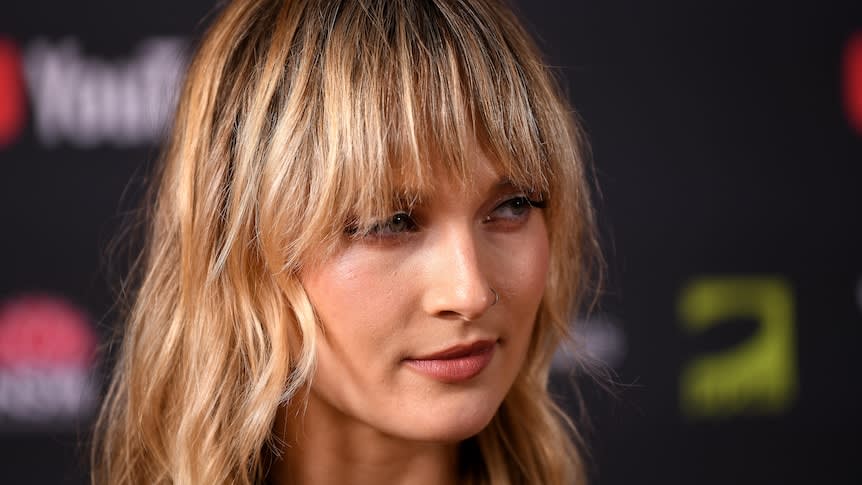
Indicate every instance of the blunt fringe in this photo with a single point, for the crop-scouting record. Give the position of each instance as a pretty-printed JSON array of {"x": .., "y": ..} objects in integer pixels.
[{"x": 297, "y": 119}]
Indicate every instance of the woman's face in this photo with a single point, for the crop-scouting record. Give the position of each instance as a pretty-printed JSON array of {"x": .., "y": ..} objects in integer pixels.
[{"x": 415, "y": 343}]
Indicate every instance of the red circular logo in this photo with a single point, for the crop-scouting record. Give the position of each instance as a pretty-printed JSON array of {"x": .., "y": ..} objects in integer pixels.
[
  {"x": 47, "y": 350},
  {"x": 43, "y": 331},
  {"x": 12, "y": 102},
  {"x": 853, "y": 81}
]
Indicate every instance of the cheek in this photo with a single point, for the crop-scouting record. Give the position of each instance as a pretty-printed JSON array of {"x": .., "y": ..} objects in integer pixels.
[
  {"x": 361, "y": 301},
  {"x": 522, "y": 281},
  {"x": 526, "y": 273}
]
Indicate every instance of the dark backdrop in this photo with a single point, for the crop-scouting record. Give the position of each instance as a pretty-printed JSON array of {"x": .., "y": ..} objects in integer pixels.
[{"x": 727, "y": 138}]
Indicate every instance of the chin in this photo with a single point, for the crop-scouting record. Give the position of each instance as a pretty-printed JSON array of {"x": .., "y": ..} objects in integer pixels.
[{"x": 450, "y": 422}]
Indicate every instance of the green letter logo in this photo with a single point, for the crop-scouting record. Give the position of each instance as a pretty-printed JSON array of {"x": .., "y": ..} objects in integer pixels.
[{"x": 757, "y": 376}]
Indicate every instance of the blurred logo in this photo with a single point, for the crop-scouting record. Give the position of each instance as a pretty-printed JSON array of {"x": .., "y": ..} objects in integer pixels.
[
  {"x": 47, "y": 351},
  {"x": 87, "y": 101},
  {"x": 597, "y": 339},
  {"x": 859, "y": 294},
  {"x": 853, "y": 81},
  {"x": 757, "y": 376},
  {"x": 13, "y": 106}
]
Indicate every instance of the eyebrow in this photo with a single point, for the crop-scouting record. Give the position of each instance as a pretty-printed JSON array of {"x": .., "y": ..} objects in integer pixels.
[
  {"x": 504, "y": 183},
  {"x": 409, "y": 199}
]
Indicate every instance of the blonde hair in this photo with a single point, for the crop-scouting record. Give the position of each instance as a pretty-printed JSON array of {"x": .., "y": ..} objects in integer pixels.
[{"x": 297, "y": 118}]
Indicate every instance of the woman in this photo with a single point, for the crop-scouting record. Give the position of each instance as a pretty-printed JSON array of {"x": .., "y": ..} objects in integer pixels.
[{"x": 369, "y": 229}]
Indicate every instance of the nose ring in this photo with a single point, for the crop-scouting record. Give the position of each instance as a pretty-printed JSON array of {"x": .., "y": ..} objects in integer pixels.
[{"x": 496, "y": 296}]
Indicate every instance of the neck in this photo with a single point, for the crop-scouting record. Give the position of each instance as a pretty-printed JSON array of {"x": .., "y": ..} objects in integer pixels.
[{"x": 322, "y": 446}]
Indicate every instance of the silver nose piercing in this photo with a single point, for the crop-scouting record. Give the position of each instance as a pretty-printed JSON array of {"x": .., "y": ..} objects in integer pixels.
[{"x": 496, "y": 296}]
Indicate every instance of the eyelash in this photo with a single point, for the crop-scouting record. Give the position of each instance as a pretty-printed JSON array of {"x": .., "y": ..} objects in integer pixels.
[
  {"x": 408, "y": 224},
  {"x": 376, "y": 231},
  {"x": 519, "y": 203}
]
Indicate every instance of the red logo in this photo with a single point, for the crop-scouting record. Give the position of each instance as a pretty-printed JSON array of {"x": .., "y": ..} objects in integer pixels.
[
  {"x": 12, "y": 100},
  {"x": 44, "y": 331},
  {"x": 853, "y": 81},
  {"x": 47, "y": 350}
]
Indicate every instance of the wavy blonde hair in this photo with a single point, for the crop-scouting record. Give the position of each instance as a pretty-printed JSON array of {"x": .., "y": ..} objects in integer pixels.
[{"x": 296, "y": 118}]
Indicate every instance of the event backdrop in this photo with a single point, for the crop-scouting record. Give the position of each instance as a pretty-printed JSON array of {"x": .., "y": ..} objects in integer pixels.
[{"x": 727, "y": 139}]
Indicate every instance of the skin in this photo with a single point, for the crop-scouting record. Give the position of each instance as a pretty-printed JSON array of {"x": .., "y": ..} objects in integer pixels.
[{"x": 416, "y": 285}]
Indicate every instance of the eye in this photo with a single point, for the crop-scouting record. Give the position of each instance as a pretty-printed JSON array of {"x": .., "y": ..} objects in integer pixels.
[
  {"x": 397, "y": 224},
  {"x": 514, "y": 209}
]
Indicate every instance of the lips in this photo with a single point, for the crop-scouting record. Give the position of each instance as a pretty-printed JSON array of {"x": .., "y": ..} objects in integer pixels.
[{"x": 455, "y": 364}]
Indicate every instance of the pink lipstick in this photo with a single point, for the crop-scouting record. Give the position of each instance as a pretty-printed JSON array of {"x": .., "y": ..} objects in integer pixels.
[{"x": 455, "y": 364}]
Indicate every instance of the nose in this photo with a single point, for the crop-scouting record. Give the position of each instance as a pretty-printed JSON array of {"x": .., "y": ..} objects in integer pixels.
[{"x": 457, "y": 284}]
